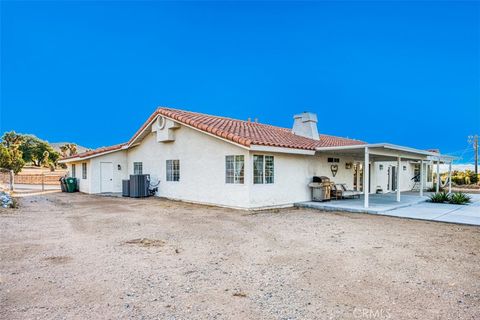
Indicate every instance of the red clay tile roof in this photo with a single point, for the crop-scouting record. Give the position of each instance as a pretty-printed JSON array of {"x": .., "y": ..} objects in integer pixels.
[
  {"x": 96, "y": 151},
  {"x": 252, "y": 133},
  {"x": 242, "y": 132}
]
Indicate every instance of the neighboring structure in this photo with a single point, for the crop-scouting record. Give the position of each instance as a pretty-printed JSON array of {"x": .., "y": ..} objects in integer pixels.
[{"x": 242, "y": 164}]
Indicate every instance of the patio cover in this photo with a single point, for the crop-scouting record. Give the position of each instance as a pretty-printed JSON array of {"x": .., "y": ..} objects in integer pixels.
[{"x": 389, "y": 152}]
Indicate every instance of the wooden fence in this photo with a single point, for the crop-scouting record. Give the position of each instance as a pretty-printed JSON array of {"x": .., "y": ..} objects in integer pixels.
[{"x": 33, "y": 179}]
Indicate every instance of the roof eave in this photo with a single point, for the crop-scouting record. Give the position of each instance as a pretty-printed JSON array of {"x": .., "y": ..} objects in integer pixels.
[
  {"x": 262, "y": 148},
  {"x": 77, "y": 159}
]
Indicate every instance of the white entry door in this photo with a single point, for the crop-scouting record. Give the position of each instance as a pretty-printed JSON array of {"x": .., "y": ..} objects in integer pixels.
[{"x": 106, "y": 177}]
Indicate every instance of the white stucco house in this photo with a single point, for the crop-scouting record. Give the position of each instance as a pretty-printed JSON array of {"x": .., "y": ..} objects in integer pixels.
[{"x": 242, "y": 164}]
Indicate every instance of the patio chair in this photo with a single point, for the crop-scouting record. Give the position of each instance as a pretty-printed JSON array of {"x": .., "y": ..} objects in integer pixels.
[
  {"x": 336, "y": 191},
  {"x": 346, "y": 193}
]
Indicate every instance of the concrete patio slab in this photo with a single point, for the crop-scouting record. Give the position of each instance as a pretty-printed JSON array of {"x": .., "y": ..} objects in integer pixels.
[
  {"x": 412, "y": 207},
  {"x": 379, "y": 203}
]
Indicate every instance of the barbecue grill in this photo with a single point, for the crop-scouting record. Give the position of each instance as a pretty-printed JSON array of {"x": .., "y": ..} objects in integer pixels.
[{"x": 321, "y": 187}]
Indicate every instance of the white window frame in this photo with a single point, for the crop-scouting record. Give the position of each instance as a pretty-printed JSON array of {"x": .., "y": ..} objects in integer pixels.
[
  {"x": 74, "y": 170},
  {"x": 172, "y": 170},
  {"x": 264, "y": 178},
  {"x": 235, "y": 175},
  {"x": 84, "y": 170},
  {"x": 138, "y": 168}
]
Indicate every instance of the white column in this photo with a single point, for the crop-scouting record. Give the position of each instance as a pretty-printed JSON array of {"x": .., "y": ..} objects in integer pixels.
[
  {"x": 437, "y": 188},
  {"x": 421, "y": 178},
  {"x": 398, "y": 178},
  {"x": 450, "y": 177},
  {"x": 366, "y": 180},
  {"x": 358, "y": 176}
]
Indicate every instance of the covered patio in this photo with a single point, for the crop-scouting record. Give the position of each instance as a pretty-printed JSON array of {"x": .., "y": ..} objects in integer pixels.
[{"x": 368, "y": 154}]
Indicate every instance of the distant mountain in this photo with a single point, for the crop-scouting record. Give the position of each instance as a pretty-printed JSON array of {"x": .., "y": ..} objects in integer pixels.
[{"x": 57, "y": 145}]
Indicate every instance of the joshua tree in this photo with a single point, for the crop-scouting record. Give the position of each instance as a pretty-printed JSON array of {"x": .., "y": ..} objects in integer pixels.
[{"x": 68, "y": 150}]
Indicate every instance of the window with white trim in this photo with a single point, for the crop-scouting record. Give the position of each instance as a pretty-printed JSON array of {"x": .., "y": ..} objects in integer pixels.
[
  {"x": 84, "y": 170},
  {"x": 137, "y": 168},
  {"x": 234, "y": 169},
  {"x": 263, "y": 169},
  {"x": 173, "y": 170},
  {"x": 74, "y": 171}
]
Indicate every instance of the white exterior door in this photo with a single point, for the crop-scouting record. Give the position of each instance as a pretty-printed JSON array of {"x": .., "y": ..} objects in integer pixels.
[{"x": 106, "y": 177}]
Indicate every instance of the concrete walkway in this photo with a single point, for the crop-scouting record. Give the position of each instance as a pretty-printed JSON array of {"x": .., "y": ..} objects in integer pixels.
[
  {"x": 463, "y": 214},
  {"x": 411, "y": 206}
]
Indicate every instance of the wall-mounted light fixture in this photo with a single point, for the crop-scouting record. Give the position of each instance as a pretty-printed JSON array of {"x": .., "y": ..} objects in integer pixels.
[
  {"x": 380, "y": 167},
  {"x": 119, "y": 167},
  {"x": 404, "y": 168}
]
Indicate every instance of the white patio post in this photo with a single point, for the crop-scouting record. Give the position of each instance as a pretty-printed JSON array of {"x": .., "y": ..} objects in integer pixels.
[
  {"x": 366, "y": 180},
  {"x": 450, "y": 177},
  {"x": 358, "y": 176},
  {"x": 398, "y": 179},
  {"x": 421, "y": 178},
  {"x": 437, "y": 187}
]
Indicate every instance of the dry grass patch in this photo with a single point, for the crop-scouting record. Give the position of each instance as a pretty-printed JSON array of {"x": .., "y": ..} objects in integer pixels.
[{"x": 145, "y": 242}]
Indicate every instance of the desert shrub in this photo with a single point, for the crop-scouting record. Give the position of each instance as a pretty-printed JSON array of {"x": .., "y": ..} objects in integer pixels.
[
  {"x": 465, "y": 177},
  {"x": 459, "y": 180},
  {"x": 440, "y": 197},
  {"x": 14, "y": 203},
  {"x": 459, "y": 198},
  {"x": 473, "y": 177},
  {"x": 434, "y": 188}
]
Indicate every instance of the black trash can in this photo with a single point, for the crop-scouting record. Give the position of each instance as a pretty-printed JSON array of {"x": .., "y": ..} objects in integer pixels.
[
  {"x": 63, "y": 184},
  {"x": 126, "y": 188}
]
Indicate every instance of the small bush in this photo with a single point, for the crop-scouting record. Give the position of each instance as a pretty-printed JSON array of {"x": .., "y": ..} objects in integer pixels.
[
  {"x": 459, "y": 198},
  {"x": 440, "y": 197},
  {"x": 14, "y": 204},
  {"x": 434, "y": 188}
]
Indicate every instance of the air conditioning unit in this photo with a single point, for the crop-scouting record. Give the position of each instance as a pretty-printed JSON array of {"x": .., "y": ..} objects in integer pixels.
[{"x": 139, "y": 184}]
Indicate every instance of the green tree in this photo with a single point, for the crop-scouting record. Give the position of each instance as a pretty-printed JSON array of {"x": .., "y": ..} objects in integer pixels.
[
  {"x": 11, "y": 158},
  {"x": 38, "y": 152},
  {"x": 5, "y": 158},
  {"x": 12, "y": 139}
]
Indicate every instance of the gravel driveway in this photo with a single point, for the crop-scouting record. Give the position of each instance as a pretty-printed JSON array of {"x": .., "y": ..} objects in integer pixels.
[{"x": 78, "y": 256}]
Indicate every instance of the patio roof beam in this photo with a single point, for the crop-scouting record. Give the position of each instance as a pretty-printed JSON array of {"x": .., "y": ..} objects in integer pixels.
[
  {"x": 450, "y": 177},
  {"x": 366, "y": 178},
  {"x": 437, "y": 187},
  {"x": 419, "y": 154},
  {"x": 421, "y": 178},
  {"x": 395, "y": 154},
  {"x": 398, "y": 178}
]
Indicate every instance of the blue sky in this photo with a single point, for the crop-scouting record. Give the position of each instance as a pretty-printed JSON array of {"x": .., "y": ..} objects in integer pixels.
[{"x": 92, "y": 72}]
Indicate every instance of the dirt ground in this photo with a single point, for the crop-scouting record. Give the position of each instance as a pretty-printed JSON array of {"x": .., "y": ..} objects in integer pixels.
[{"x": 75, "y": 256}]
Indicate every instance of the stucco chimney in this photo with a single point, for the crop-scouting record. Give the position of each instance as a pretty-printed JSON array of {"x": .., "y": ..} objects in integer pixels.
[{"x": 305, "y": 125}]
